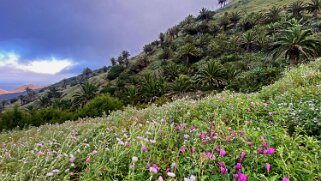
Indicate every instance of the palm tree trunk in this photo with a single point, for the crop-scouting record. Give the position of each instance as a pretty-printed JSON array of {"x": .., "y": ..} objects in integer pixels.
[{"x": 293, "y": 60}]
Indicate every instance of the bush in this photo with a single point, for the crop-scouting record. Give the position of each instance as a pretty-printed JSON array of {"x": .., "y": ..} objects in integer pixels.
[
  {"x": 100, "y": 105},
  {"x": 115, "y": 71}
]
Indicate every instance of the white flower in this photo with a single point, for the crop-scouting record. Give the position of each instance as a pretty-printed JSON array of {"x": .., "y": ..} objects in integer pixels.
[
  {"x": 152, "y": 141},
  {"x": 160, "y": 178},
  {"x": 49, "y": 174},
  {"x": 135, "y": 159},
  {"x": 171, "y": 174},
  {"x": 153, "y": 170},
  {"x": 55, "y": 171}
]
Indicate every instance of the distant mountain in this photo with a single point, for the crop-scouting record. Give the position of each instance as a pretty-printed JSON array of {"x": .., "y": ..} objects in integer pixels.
[{"x": 20, "y": 89}]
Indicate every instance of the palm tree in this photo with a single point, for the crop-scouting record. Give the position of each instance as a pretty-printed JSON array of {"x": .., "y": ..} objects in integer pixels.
[
  {"x": 224, "y": 21},
  {"x": 86, "y": 93},
  {"x": 212, "y": 75},
  {"x": 182, "y": 83},
  {"x": 274, "y": 14},
  {"x": 296, "y": 9},
  {"x": 248, "y": 40},
  {"x": 205, "y": 14},
  {"x": 235, "y": 18},
  {"x": 125, "y": 55},
  {"x": 189, "y": 51},
  {"x": 314, "y": 7},
  {"x": 294, "y": 42},
  {"x": 132, "y": 94},
  {"x": 222, "y": 2}
]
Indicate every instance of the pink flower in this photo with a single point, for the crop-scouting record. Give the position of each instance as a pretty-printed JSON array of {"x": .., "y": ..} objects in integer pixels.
[
  {"x": 248, "y": 109},
  {"x": 243, "y": 177},
  {"x": 193, "y": 128},
  {"x": 264, "y": 144},
  {"x": 270, "y": 151},
  {"x": 193, "y": 149},
  {"x": 94, "y": 152},
  {"x": 286, "y": 179},
  {"x": 265, "y": 152},
  {"x": 144, "y": 148},
  {"x": 262, "y": 138},
  {"x": 209, "y": 155},
  {"x": 259, "y": 150},
  {"x": 88, "y": 159},
  {"x": 223, "y": 170},
  {"x": 183, "y": 125},
  {"x": 221, "y": 164},
  {"x": 268, "y": 167},
  {"x": 168, "y": 169},
  {"x": 212, "y": 134},
  {"x": 241, "y": 133},
  {"x": 222, "y": 153},
  {"x": 238, "y": 166},
  {"x": 228, "y": 139},
  {"x": 242, "y": 155},
  {"x": 153, "y": 170},
  {"x": 249, "y": 143},
  {"x": 171, "y": 174},
  {"x": 160, "y": 178},
  {"x": 270, "y": 113},
  {"x": 202, "y": 135},
  {"x": 236, "y": 176},
  {"x": 233, "y": 134},
  {"x": 160, "y": 131},
  {"x": 182, "y": 149}
]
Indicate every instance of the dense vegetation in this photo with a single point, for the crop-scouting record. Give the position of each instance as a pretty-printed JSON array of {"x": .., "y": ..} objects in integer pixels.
[
  {"x": 215, "y": 51},
  {"x": 226, "y": 136}
]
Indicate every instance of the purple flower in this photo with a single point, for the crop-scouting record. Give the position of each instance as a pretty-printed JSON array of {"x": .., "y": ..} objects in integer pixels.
[
  {"x": 209, "y": 155},
  {"x": 212, "y": 134},
  {"x": 241, "y": 133},
  {"x": 222, "y": 153},
  {"x": 268, "y": 167},
  {"x": 221, "y": 164},
  {"x": 286, "y": 179},
  {"x": 193, "y": 149},
  {"x": 182, "y": 149},
  {"x": 202, "y": 135},
  {"x": 144, "y": 148},
  {"x": 270, "y": 151},
  {"x": 193, "y": 128},
  {"x": 243, "y": 177},
  {"x": 264, "y": 144},
  {"x": 223, "y": 170},
  {"x": 242, "y": 155},
  {"x": 72, "y": 158},
  {"x": 233, "y": 134},
  {"x": 259, "y": 150},
  {"x": 153, "y": 169},
  {"x": 238, "y": 166}
]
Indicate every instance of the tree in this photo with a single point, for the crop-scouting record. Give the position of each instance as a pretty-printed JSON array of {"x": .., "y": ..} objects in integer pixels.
[
  {"x": 296, "y": 9},
  {"x": 224, "y": 21},
  {"x": 273, "y": 14},
  {"x": 205, "y": 14},
  {"x": 189, "y": 51},
  {"x": 211, "y": 75},
  {"x": 182, "y": 83},
  {"x": 248, "y": 40},
  {"x": 113, "y": 61},
  {"x": 162, "y": 38},
  {"x": 222, "y": 3},
  {"x": 314, "y": 7},
  {"x": 294, "y": 42},
  {"x": 86, "y": 93},
  {"x": 44, "y": 101},
  {"x": 87, "y": 71},
  {"x": 54, "y": 92},
  {"x": 125, "y": 55}
]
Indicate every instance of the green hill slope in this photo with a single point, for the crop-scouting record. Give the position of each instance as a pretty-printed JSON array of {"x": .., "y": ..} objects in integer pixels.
[{"x": 217, "y": 138}]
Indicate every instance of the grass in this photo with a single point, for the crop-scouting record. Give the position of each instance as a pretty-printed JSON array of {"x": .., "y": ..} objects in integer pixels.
[{"x": 164, "y": 138}]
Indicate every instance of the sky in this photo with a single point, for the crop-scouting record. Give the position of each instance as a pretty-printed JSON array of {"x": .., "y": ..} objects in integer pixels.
[{"x": 44, "y": 41}]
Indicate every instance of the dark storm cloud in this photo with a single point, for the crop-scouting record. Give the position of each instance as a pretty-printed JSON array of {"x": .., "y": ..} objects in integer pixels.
[{"x": 87, "y": 31}]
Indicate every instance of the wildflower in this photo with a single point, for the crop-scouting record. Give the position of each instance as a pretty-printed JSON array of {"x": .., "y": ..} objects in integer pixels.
[
  {"x": 223, "y": 170},
  {"x": 49, "y": 174},
  {"x": 249, "y": 143},
  {"x": 168, "y": 169},
  {"x": 209, "y": 155},
  {"x": 193, "y": 128},
  {"x": 160, "y": 178},
  {"x": 131, "y": 166},
  {"x": 88, "y": 159},
  {"x": 144, "y": 148},
  {"x": 191, "y": 178},
  {"x": 265, "y": 152},
  {"x": 270, "y": 113},
  {"x": 259, "y": 150},
  {"x": 212, "y": 134},
  {"x": 243, "y": 177},
  {"x": 233, "y": 134},
  {"x": 264, "y": 144},
  {"x": 173, "y": 165},
  {"x": 268, "y": 167},
  {"x": 183, "y": 125},
  {"x": 171, "y": 174},
  {"x": 236, "y": 176},
  {"x": 161, "y": 131},
  {"x": 55, "y": 171},
  {"x": 135, "y": 159},
  {"x": 241, "y": 133},
  {"x": 193, "y": 149},
  {"x": 270, "y": 151},
  {"x": 228, "y": 139},
  {"x": 152, "y": 141},
  {"x": 248, "y": 109},
  {"x": 182, "y": 149},
  {"x": 202, "y": 135},
  {"x": 222, "y": 153},
  {"x": 94, "y": 152},
  {"x": 286, "y": 179},
  {"x": 186, "y": 136},
  {"x": 72, "y": 158},
  {"x": 153, "y": 169},
  {"x": 242, "y": 155},
  {"x": 262, "y": 138},
  {"x": 221, "y": 164},
  {"x": 238, "y": 166}
]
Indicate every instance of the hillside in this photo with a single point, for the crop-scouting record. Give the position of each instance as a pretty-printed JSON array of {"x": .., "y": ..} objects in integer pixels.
[{"x": 253, "y": 136}]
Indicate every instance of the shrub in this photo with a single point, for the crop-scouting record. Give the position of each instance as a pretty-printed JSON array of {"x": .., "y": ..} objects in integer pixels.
[
  {"x": 99, "y": 105},
  {"x": 115, "y": 71}
]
